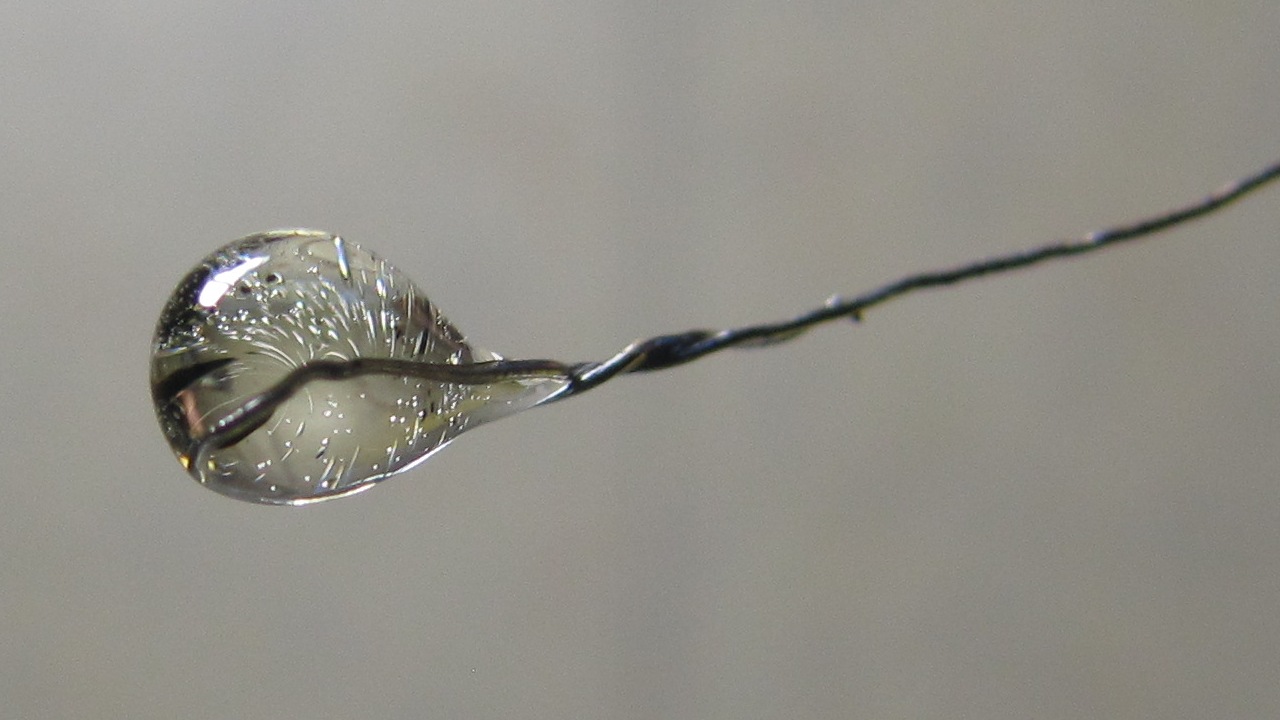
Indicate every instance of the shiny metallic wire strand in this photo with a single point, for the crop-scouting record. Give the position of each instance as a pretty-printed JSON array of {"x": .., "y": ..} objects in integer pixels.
[{"x": 666, "y": 351}]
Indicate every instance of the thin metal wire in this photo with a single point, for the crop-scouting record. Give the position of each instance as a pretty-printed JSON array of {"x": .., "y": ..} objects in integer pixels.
[{"x": 664, "y": 351}]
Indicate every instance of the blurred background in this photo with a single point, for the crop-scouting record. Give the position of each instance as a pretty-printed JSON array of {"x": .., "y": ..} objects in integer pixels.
[{"x": 1051, "y": 494}]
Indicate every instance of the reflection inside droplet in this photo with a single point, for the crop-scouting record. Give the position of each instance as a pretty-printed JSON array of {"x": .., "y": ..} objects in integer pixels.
[{"x": 263, "y": 306}]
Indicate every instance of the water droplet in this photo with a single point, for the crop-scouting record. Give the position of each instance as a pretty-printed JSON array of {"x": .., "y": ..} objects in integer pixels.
[{"x": 264, "y": 305}]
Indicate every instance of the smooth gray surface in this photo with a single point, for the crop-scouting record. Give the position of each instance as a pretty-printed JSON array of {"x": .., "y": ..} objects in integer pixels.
[{"x": 1048, "y": 495}]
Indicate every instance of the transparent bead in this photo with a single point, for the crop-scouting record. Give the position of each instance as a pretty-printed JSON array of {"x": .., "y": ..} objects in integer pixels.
[{"x": 262, "y": 306}]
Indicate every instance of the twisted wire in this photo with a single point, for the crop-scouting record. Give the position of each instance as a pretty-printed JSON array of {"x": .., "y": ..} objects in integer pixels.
[{"x": 664, "y": 351}]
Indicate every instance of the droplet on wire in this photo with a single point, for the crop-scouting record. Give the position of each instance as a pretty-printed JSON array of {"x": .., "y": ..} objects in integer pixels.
[
  {"x": 261, "y": 307},
  {"x": 291, "y": 366}
]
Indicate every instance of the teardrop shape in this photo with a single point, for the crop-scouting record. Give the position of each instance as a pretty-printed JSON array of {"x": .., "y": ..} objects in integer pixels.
[{"x": 264, "y": 305}]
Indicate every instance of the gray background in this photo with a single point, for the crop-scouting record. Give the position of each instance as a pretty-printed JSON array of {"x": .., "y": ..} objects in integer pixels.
[{"x": 1045, "y": 495}]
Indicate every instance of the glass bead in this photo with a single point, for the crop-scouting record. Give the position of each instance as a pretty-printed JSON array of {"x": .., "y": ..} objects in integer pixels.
[{"x": 266, "y": 304}]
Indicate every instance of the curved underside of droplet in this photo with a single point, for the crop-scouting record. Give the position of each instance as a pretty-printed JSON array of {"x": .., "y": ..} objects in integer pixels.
[{"x": 260, "y": 307}]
